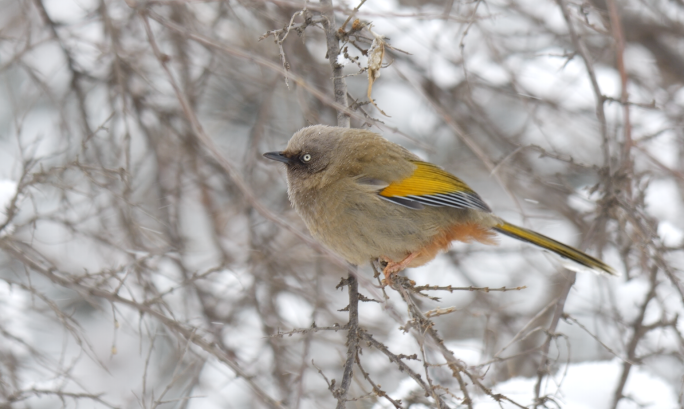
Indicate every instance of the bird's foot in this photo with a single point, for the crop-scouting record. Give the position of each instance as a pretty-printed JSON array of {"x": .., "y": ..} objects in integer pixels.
[{"x": 392, "y": 268}]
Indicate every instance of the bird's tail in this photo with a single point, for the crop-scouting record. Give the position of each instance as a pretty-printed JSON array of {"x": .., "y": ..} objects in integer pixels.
[{"x": 554, "y": 246}]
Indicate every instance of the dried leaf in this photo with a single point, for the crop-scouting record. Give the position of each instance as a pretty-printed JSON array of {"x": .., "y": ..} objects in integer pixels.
[{"x": 376, "y": 54}]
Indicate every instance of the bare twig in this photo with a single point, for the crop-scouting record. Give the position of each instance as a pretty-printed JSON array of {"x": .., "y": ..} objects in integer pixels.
[
  {"x": 403, "y": 367},
  {"x": 616, "y": 29},
  {"x": 451, "y": 289},
  {"x": 58, "y": 277},
  {"x": 638, "y": 331},
  {"x": 140, "y": 223},
  {"x": 544, "y": 365},
  {"x": 588, "y": 63},
  {"x": 352, "y": 341},
  {"x": 333, "y": 44}
]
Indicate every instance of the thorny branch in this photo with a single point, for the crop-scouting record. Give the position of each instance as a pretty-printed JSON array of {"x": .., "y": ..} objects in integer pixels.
[
  {"x": 333, "y": 46},
  {"x": 139, "y": 221},
  {"x": 59, "y": 277},
  {"x": 544, "y": 368},
  {"x": 352, "y": 341},
  {"x": 343, "y": 120},
  {"x": 588, "y": 64},
  {"x": 403, "y": 367},
  {"x": 427, "y": 332}
]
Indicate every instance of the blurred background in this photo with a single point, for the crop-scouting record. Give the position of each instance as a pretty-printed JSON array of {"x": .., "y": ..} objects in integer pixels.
[{"x": 147, "y": 255}]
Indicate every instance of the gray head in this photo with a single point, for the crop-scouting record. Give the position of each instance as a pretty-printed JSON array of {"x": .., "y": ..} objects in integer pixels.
[
  {"x": 310, "y": 150},
  {"x": 319, "y": 155}
]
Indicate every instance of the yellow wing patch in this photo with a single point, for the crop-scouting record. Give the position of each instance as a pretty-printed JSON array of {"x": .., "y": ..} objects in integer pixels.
[{"x": 426, "y": 180}]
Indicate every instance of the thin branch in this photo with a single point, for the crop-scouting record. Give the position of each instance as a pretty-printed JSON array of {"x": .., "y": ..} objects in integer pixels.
[
  {"x": 570, "y": 319},
  {"x": 618, "y": 35},
  {"x": 58, "y": 277},
  {"x": 333, "y": 44},
  {"x": 638, "y": 332},
  {"x": 544, "y": 367},
  {"x": 372, "y": 342},
  {"x": 451, "y": 289},
  {"x": 352, "y": 341},
  {"x": 582, "y": 50}
]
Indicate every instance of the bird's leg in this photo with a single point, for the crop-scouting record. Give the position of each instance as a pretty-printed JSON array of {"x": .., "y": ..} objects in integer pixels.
[{"x": 394, "y": 267}]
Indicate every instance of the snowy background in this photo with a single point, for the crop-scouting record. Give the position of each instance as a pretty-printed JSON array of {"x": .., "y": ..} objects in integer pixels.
[{"x": 149, "y": 256}]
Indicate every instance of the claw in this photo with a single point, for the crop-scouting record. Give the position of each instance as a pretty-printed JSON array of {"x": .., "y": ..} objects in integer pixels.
[{"x": 393, "y": 267}]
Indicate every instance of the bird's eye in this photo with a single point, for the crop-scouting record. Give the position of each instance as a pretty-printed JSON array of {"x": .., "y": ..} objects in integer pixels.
[{"x": 306, "y": 157}]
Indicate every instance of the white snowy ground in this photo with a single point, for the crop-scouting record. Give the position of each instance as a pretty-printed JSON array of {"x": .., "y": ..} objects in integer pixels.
[
  {"x": 584, "y": 385},
  {"x": 8, "y": 189}
]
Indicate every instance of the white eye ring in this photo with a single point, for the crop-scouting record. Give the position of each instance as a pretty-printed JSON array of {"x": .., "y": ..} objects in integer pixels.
[{"x": 306, "y": 157}]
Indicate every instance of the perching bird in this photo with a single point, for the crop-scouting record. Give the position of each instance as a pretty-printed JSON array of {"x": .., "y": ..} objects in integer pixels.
[{"x": 367, "y": 198}]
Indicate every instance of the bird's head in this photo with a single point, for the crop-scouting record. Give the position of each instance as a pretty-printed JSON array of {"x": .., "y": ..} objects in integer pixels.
[{"x": 311, "y": 155}]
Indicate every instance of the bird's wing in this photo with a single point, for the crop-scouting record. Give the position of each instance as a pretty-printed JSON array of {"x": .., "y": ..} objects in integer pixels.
[
  {"x": 372, "y": 183},
  {"x": 430, "y": 185},
  {"x": 377, "y": 185}
]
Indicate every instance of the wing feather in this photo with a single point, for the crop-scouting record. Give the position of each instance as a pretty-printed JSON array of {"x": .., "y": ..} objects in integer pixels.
[
  {"x": 404, "y": 201},
  {"x": 433, "y": 186}
]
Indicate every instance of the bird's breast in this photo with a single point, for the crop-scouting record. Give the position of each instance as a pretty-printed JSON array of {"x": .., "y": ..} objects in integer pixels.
[{"x": 360, "y": 226}]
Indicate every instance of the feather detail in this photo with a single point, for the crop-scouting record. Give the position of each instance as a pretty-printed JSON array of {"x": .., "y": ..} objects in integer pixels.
[
  {"x": 563, "y": 250},
  {"x": 433, "y": 186},
  {"x": 465, "y": 232},
  {"x": 403, "y": 201}
]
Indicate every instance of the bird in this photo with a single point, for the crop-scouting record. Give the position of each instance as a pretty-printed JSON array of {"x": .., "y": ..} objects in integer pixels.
[{"x": 367, "y": 198}]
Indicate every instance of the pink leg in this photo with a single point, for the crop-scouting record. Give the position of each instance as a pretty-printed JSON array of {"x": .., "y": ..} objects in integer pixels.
[{"x": 394, "y": 267}]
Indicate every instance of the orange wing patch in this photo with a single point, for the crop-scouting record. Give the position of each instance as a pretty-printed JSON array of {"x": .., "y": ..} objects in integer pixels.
[{"x": 426, "y": 180}]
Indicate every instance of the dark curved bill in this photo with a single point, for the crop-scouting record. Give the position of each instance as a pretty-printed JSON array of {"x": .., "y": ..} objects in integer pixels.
[{"x": 277, "y": 156}]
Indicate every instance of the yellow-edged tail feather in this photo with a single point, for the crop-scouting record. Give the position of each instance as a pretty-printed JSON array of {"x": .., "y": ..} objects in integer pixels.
[{"x": 555, "y": 247}]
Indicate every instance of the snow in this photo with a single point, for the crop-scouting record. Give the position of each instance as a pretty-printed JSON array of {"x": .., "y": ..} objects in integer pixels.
[
  {"x": 445, "y": 73},
  {"x": 671, "y": 235},
  {"x": 294, "y": 310},
  {"x": 587, "y": 385},
  {"x": 406, "y": 388},
  {"x": 577, "y": 386},
  {"x": 13, "y": 302},
  {"x": 660, "y": 197},
  {"x": 69, "y": 11},
  {"x": 8, "y": 189},
  {"x": 342, "y": 60}
]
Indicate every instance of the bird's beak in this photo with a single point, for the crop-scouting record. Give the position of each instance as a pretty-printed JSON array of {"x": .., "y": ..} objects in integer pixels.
[{"x": 277, "y": 156}]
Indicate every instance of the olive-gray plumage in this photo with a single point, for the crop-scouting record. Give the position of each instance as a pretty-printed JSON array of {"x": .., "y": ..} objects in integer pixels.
[
  {"x": 368, "y": 198},
  {"x": 336, "y": 193}
]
